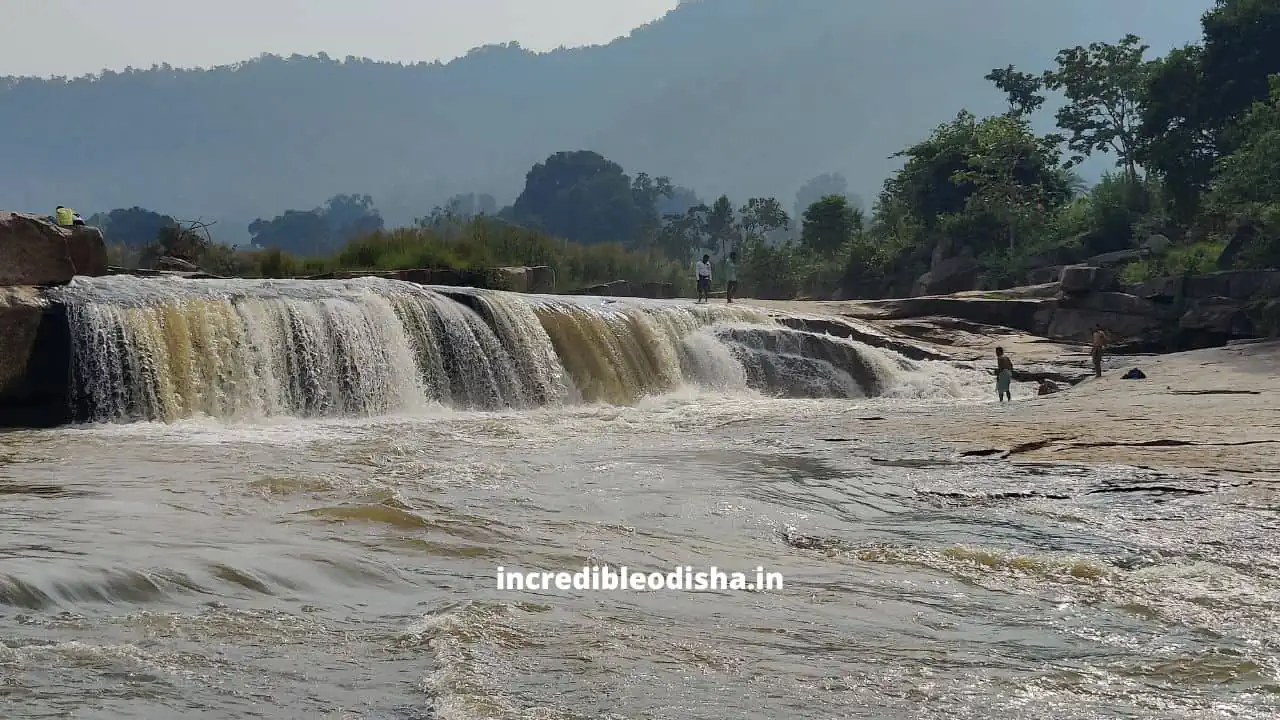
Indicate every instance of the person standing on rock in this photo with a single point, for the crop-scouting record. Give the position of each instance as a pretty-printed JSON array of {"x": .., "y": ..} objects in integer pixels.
[
  {"x": 1004, "y": 375},
  {"x": 1099, "y": 343},
  {"x": 731, "y": 277},
  {"x": 702, "y": 271}
]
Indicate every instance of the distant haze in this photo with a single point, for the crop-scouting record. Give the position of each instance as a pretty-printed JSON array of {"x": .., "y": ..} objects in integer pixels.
[
  {"x": 743, "y": 97},
  {"x": 77, "y": 37}
]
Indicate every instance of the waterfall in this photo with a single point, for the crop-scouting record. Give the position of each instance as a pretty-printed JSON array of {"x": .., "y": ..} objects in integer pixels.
[{"x": 164, "y": 349}]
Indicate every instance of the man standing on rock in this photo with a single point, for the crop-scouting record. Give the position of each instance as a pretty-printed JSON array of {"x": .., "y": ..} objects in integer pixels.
[
  {"x": 702, "y": 270},
  {"x": 731, "y": 277},
  {"x": 1099, "y": 343},
  {"x": 1004, "y": 375}
]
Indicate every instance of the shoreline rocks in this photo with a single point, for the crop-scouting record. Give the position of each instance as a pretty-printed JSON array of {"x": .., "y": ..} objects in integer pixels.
[{"x": 35, "y": 251}]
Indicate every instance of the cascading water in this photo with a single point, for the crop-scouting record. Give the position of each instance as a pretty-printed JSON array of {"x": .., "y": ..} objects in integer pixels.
[{"x": 169, "y": 348}]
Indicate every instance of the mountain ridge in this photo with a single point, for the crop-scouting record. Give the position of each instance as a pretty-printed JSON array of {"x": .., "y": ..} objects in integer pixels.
[{"x": 745, "y": 97}]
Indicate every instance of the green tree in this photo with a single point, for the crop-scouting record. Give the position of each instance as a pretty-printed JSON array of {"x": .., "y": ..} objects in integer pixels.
[
  {"x": 1021, "y": 90},
  {"x": 721, "y": 228},
  {"x": 996, "y": 177},
  {"x": 134, "y": 227},
  {"x": 684, "y": 233},
  {"x": 646, "y": 192},
  {"x": 761, "y": 216},
  {"x": 580, "y": 196},
  {"x": 1197, "y": 93},
  {"x": 1105, "y": 85},
  {"x": 939, "y": 175},
  {"x": 829, "y": 225}
]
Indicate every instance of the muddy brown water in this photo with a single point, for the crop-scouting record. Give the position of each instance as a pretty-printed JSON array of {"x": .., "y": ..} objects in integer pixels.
[{"x": 346, "y": 569}]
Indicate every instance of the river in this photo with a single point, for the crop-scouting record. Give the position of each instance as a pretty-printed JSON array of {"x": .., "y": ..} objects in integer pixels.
[{"x": 182, "y": 556}]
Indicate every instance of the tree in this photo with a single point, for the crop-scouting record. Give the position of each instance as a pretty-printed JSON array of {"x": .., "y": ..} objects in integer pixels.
[
  {"x": 684, "y": 233},
  {"x": 1020, "y": 88},
  {"x": 820, "y": 187},
  {"x": 937, "y": 179},
  {"x": 678, "y": 202},
  {"x": 350, "y": 217},
  {"x": 761, "y": 216},
  {"x": 299, "y": 232},
  {"x": 996, "y": 174},
  {"x": 1196, "y": 94},
  {"x": 135, "y": 227},
  {"x": 645, "y": 193},
  {"x": 1105, "y": 85},
  {"x": 340, "y": 220},
  {"x": 721, "y": 229},
  {"x": 829, "y": 224},
  {"x": 584, "y": 197}
]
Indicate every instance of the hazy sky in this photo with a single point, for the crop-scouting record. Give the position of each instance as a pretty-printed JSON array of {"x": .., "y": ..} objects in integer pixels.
[{"x": 74, "y": 37}]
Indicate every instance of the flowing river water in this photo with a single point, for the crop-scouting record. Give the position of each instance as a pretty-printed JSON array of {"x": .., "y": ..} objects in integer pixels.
[{"x": 290, "y": 500}]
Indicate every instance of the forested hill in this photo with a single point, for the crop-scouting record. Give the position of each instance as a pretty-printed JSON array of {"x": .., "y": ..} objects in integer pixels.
[{"x": 745, "y": 97}]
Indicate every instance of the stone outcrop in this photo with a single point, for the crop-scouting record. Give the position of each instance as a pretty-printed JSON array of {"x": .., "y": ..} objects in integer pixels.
[
  {"x": 1162, "y": 315},
  {"x": 35, "y": 251},
  {"x": 860, "y": 331},
  {"x": 1077, "y": 279},
  {"x": 950, "y": 275},
  {"x": 539, "y": 279},
  {"x": 626, "y": 288},
  {"x": 35, "y": 356},
  {"x": 175, "y": 264},
  {"x": 1030, "y": 315}
]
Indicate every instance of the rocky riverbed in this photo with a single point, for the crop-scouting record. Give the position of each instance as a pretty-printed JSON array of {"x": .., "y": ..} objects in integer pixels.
[{"x": 1209, "y": 409}]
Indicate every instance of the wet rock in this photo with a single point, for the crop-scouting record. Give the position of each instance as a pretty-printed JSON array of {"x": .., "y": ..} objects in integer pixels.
[
  {"x": 176, "y": 264},
  {"x": 1047, "y": 387},
  {"x": 1030, "y": 315},
  {"x": 797, "y": 364},
  {"x": 657, "y": 290},
  {"x": 35, "y": 251},
  {"x": 617, "y": 288},
  {"x": 35, "y": 356},
  {"x": 542, "y": 279},
  {"x": 862, "y": 332},
  {"x": 515, "y": 279}
]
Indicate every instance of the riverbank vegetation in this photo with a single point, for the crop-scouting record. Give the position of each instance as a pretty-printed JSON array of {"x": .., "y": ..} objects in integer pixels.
[{"x": 982, "y": 202}]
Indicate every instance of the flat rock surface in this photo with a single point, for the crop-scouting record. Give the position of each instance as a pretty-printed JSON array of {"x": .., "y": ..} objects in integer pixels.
[
  {"x": 1216, "y": 409},
  {"x": 1213, "y": 409}
]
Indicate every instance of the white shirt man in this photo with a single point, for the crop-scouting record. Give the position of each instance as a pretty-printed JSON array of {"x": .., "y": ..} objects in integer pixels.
[{"x": 702, "y": 271}]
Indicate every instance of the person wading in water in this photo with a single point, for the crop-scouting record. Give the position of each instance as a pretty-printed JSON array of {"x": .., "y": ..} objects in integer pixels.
[{"x": 1004, "y": 375}]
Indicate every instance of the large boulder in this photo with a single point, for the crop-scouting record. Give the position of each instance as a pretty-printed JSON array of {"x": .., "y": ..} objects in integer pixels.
[
  {"x": 35, "y": 251},
  {"x": 35, "y": 356},
  {"x": 1234, "y": 284},
  {"x": 616, "y": 288},
  {"x": 542, "y": 280},
  {"x": 947, "y": 276},
  {"x": 175, "y": 264},
  {"x": 1218, "y": 316},
  {"x": 1119, "y": 257},
  {"x": 1077, "y": 279},
  {"x": 1030, "y": 315},
  {"x": 1077, "y": 323},
  {"x": 658, "y": 290},
  {"x": 515, "y": 279}
]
